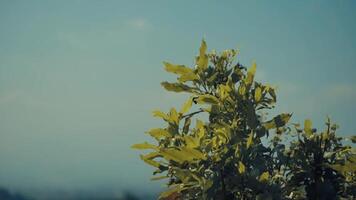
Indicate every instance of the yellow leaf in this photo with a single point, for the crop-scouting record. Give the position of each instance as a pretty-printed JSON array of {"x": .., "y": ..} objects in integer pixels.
[
  {"x": 250, "y": 74},
  {"x": 308, "y": 127},
  {"x": 242, "y": 168},
  {"x": 202, "y": 60},
  {"x": 249, "y": 140},
  {"x": 242, "y": 90},
  {"x": 207, "y": 98},
  {"x": 264, "y": 177},
  {"x": 191, "y": 142},
  {"x": 186, "y": 106},
  {"x": 171, "y": 193},
  {"x": 173, "y": 116},
  {"x": 278, "y": 121},
  {"x": 188, "y": 77},
  {"x": 177, "y": 69},
  {"x": 158, "y": 133},
  {"x": 150, "y": 162},
  {"x": 258, "y": 94},
  {"x": 182, "y": 155},
  {"x": 157, "y": 113},
  {"x": 144, "y": 146},
  {"x": 176, "y": 87},
  {"x": 158, "y": 178}
]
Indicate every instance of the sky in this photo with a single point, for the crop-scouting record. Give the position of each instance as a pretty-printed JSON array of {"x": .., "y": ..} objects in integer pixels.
[{"x": 79, "y": 79}]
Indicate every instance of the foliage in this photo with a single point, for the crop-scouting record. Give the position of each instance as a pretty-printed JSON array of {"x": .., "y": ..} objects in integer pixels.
[{"x": 227, "y": 156}]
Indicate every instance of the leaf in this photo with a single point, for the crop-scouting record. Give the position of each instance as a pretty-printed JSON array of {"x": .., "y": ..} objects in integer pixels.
[
  {"x": 176, "y": 87},
  {"x": 182, "y": 155},
  {"x": 158, "y": 133},
  {"x": 191, "y": 142},
  {"x": 242, "y": 168},
  {"x": 160, "y": 114},
  {"x": 308, "y": 127},
  {"x": 258, "y": 94},
  {"x": 250, "y": 74},
  {"x": 186, "y": 106},
  {"x": 264, "y": 177},
  {"x": 177, "y": 69},
  {"x": 173, "y": 116},
  {"x": 202, "y": 60},
  {"x": 249, "y": 140},
  {"x": 158, "y": 178},
  {"x": 188, "y": 77},
  {"x": 150, "y": 162},
  {"x": 345, "y": 168},
  {"x": 242, "y": 89},
  {"x": 278, "y": 121},
  {"x": 353, "y": 139},
  {"x": 207, "y": 98},
  {"x": 171, "y": 194},
  {"x": 144, "y": 146},
  {"x": 186, "y": 125}
]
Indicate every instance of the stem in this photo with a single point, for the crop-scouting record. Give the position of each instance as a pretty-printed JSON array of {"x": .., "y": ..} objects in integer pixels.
[
  {"x": 193, "y": 113},
  {"x": 222, "y": 184}
]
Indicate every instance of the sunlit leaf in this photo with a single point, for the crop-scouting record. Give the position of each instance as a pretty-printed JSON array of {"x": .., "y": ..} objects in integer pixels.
[
  {"x": 157, "y": 113},
  {"x": 202, "y": 60},
  {"x": 186, "y": 106},
  {"x": 308, "y": 127},
  {"x": 177, "y": 69},
  {"x": 144, "y": 145},
  {"x": 158, "y": 133},
  {"x": 176, "y": 87},
  {"x": 264, "y": 177},
  {"x": 249, "y": 140},
  {"x": 171, "y": 193},
  {"x": 158, "y": 178},
  {"x": 183, "y": 154},
  {"x": 258, "y": 94},
  {"x": 241, "y": 168},
  {"x": 207, "y": 98},
  {"x": 251, "y": 74},
  {"x": 278, "y": 121},
  {"x": 150, "y": 162}
]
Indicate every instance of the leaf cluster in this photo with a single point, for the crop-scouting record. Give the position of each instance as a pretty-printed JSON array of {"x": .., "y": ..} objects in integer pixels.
[{"x": 239, "y": 152}]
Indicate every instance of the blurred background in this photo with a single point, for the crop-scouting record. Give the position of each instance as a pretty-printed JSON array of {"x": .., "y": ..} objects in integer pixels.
[{"x": 79, "y": 79}]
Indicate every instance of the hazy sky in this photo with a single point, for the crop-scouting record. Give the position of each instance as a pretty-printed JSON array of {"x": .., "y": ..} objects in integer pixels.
[{"x": 79, "y": 79}]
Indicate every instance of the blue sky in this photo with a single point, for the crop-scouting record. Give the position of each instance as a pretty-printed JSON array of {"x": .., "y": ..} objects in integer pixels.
[{"x": 79, "y": 79}]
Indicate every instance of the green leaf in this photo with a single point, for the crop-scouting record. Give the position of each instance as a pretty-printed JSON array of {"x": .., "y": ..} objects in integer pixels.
[{"x": 144, "y": 146}]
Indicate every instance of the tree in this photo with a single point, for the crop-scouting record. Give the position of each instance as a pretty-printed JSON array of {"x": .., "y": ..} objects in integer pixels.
[{"x": 237, "y": 153}]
